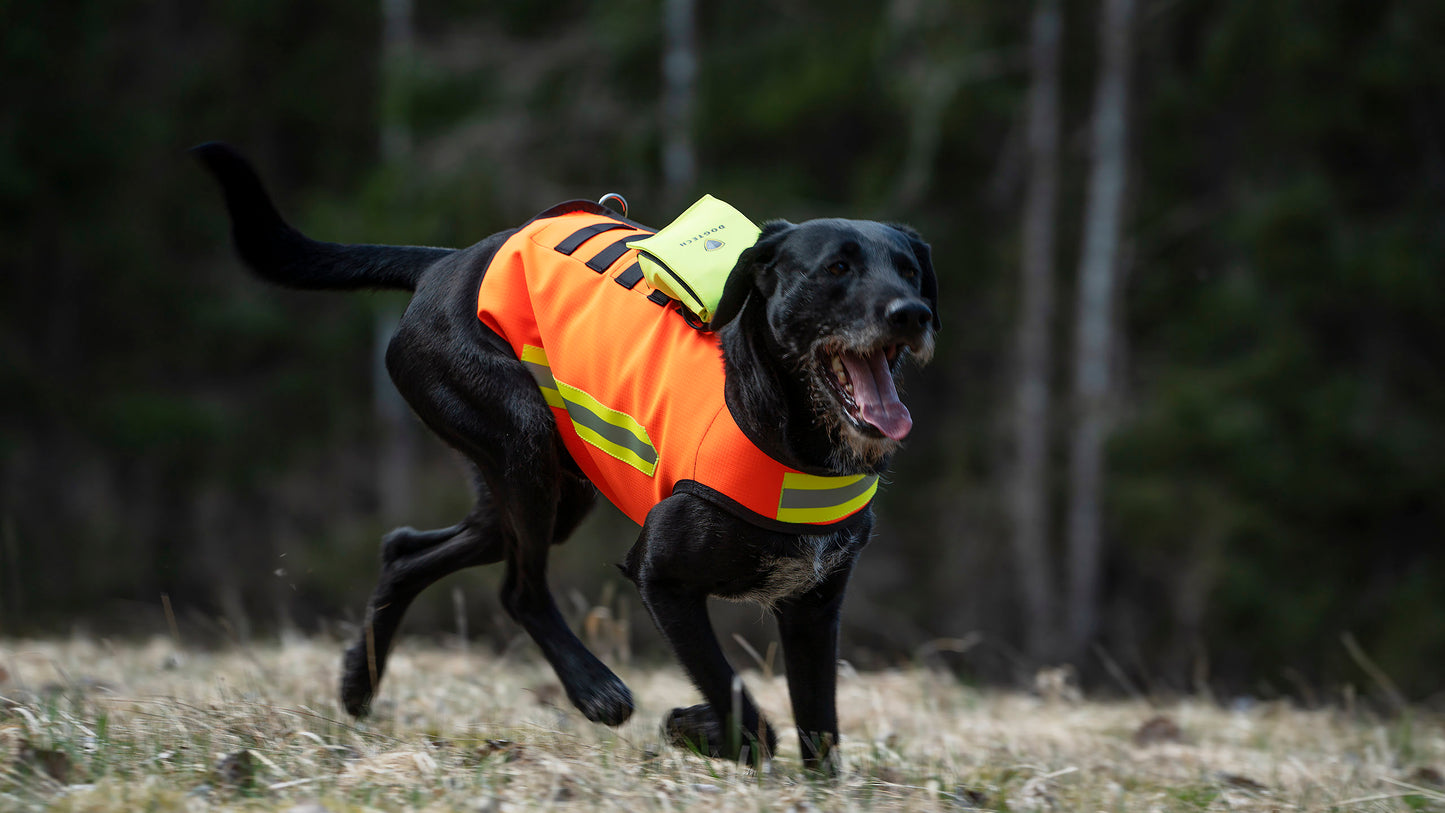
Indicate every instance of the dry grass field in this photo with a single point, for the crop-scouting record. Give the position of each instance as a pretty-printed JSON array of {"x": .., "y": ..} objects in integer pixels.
[{"x": 92, "y": 726}]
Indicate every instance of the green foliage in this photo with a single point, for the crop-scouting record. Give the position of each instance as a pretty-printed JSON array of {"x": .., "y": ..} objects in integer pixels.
[
  {"x": 1285, "y": 340},
  {"x": 171, "y": 425}
]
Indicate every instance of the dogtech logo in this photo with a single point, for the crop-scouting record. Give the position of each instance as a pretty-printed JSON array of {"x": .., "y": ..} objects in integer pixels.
[
  {"x": 703, "y": 234},
  {"x": 689, "y": 259}
]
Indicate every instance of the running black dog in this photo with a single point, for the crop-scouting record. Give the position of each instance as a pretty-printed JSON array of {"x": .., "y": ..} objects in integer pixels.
[{"x": 795, "y": 372}]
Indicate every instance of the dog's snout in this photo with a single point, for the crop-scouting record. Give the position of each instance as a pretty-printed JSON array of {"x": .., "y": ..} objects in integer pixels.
[{"x": 908, "y": 315}]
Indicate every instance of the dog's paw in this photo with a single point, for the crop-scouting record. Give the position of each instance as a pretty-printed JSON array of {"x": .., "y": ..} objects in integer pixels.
[
  {"x": 821, "y": 757},
  {"x": 606, "y": 700},
  {"x": 357, "y": 686},
  {"x": 695, "y": 729},
  {"x": 698, "y": 729}
]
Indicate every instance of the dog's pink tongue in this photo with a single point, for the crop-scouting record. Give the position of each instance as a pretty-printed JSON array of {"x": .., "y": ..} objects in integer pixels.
[{"x": 875, "y": 394}]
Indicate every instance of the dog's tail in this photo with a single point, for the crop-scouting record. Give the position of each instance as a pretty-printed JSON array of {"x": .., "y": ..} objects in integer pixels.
[{"x": 281, "y": 254}]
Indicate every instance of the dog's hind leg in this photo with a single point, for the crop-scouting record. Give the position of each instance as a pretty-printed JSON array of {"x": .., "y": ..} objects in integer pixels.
[
  {"x": 411, "y": 561},
  {"x": 484, "y": 402},
  {"x": 590, "y": 685},
  {"x": 537, "y": 502}
]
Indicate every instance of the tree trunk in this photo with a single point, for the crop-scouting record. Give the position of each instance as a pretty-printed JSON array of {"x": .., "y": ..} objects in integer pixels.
[
  {"x": 1029, "y": 502},
  {"x": 397, "y": 454},
  {"x": 1098, "y": 271},
  {"x": 679, "y": 79}
]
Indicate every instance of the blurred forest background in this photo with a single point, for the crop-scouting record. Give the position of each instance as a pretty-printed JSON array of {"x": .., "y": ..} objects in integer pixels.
[{"x": 1185, "y": 427}]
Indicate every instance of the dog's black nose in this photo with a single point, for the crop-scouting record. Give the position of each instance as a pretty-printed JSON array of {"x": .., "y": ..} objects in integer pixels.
[{"x": 908, "y": 314}]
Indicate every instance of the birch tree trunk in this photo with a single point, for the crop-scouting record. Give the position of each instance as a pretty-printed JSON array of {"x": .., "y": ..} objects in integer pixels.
[
  {"x": 1029, "y": 502},
  {"x": 1098, "y": 271}
]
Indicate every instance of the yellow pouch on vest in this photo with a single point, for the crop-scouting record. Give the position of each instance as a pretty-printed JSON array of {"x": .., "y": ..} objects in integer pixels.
[{"x": 689, "y": 259}]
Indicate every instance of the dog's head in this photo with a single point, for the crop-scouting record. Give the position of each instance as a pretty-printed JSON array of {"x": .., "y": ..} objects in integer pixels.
[{"x": 846, "y": 301}]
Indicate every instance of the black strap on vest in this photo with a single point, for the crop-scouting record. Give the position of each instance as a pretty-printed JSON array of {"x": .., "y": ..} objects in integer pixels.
[
  {"x": 612, "y": 253},
  {"x": 607, "y": 256},
  {"x": 575, "y": 240},
  {"x": 629, "y": 278}
]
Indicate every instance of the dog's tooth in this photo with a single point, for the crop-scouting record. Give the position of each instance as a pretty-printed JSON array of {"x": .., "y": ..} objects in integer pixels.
[{"x": 837, "y": 365}]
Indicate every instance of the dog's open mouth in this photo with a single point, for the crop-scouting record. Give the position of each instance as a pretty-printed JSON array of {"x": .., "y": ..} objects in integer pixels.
[{"x": 863, "y": 383}]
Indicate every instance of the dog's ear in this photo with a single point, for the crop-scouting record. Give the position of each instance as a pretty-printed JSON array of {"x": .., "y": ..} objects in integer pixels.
[
  {"x": 743, "y": 279},
  {"x": 928, "y": 284}
]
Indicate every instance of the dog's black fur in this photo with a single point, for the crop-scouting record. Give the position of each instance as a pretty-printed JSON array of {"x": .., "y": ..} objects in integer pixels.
[{"x": 799, "y": 296}]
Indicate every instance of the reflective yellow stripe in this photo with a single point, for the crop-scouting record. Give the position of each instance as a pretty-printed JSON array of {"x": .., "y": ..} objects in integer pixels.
[
  {"x": 814, "y": 499},
  {"x": 536, "y": 360},
  {"x": 614, "y": 432},
  {"x": 805, "y": 498}
]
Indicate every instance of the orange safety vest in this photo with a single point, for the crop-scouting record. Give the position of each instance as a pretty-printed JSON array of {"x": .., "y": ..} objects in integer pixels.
[{"x": 638, "y": 392}]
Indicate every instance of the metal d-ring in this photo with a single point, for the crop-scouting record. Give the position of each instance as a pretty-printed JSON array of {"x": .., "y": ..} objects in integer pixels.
[{"x": 621, "y": 201}]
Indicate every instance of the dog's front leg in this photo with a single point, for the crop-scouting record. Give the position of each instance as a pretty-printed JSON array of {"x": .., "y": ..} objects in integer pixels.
[
  {"x": 729, "y": 725},
  {"x": 808, "y": 626},
  {"x": 672, "y": 571}
]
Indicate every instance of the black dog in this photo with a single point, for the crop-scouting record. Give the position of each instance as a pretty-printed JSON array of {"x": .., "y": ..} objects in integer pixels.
[{"x": 813, "y": 324}]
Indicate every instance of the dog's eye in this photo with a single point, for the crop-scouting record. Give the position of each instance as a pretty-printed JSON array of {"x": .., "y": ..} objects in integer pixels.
[
  {"x": 909, "y": 273},
  {"x": 838, "y": 268}
]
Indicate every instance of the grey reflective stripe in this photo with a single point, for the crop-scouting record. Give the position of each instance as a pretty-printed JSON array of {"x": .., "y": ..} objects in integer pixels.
[
  {"x": 535, "y": 360},
  {"x": 582, "y": 416},
  {"x": 543, "y": 374},
  {"x": 794, "y": 499}
]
